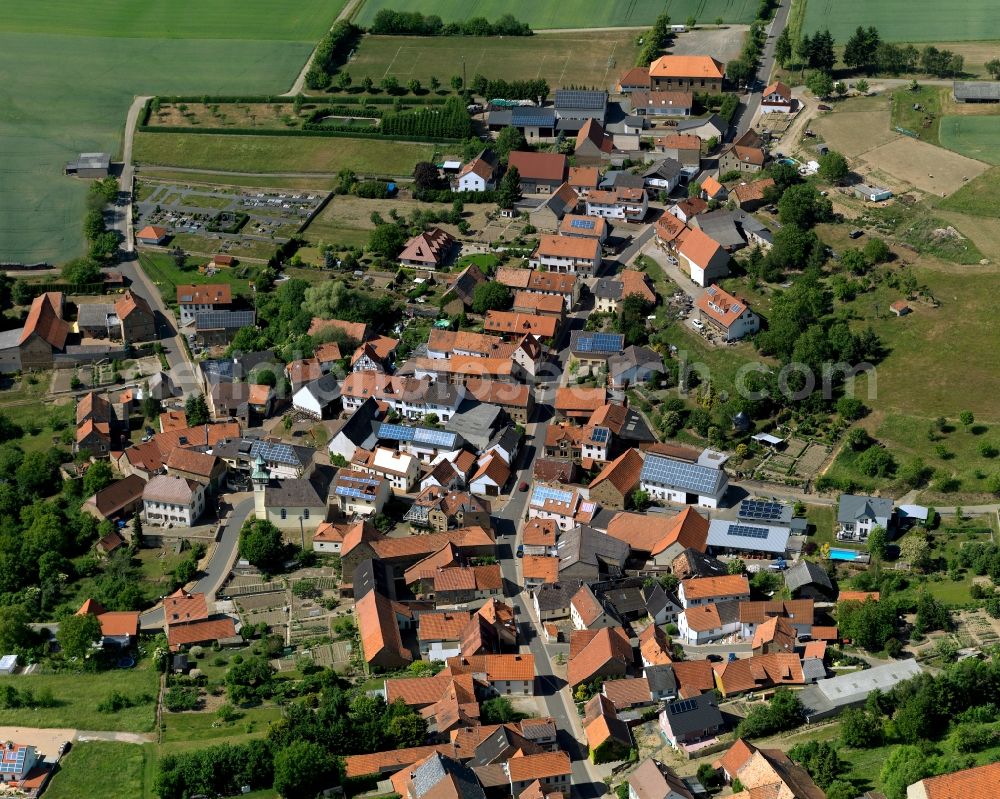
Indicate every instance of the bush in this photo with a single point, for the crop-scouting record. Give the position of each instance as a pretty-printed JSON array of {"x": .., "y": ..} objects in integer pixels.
[{"x": 179, "y": 698}]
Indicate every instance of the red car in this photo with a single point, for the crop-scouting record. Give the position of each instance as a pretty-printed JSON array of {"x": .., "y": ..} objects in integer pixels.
[{"x": 522, "y": 487}]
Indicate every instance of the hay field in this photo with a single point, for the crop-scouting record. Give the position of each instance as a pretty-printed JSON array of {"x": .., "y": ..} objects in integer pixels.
[
  {"x": 906, "y": 20},
  {"x": 71, "y": 71},
  {"x": 574, "y": 13}
]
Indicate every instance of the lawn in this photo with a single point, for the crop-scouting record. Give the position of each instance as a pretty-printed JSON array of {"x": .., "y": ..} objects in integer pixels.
[
  {"x": 101, "y": 768},
  {"x": 978, "y": 197},
  {"x": 906, "y": 20},
  {"x": 23, "y": 402},
  {"x": 925, "y": 121},
  {"x": 574, "y": 13},
  {"x": 108, "y": 52},
  {"x": 163, "y": 271},
  {"x": 77, "y": 697},
  {"x": 586, "y": 59},
  {"x": 973, "y": 136},
  {"x": 280, "y": 154}
]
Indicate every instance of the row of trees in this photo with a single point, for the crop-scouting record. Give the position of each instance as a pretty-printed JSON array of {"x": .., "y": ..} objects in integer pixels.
[
  {"x": 388, "y": 22},
  {"x": 451, "y": 122},
  {"x": 332, "y": 51},
  {"x": 493, "y": 88},
  {"x": 655, "y": 41}
]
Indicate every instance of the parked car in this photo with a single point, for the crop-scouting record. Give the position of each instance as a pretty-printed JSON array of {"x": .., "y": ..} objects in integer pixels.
[
  {"x": 698, "y": 324},
  {"x": 520, "y": 550},
  {"x": 856, "y": 234},
  {"x": 523, "y": 486},
  {"x": 824, "y": 107}
]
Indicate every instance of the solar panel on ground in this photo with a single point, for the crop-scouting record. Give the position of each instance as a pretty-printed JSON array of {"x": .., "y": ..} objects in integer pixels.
[
  {"x": 678, "y": 474},
  {"x": 746, "y": 531}
]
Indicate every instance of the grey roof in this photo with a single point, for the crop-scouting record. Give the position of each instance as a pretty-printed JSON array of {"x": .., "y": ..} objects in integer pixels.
[
  {"x": 635, "y": 357},
  {"x": 508, "y": 439},
  {"x": 300, "y": 492},
  {"x": 608, "y": 289},
  {"x": 661, "y": 679},
  {"x": 681, "y": 475},
  {"x": 853, "y": 508},
  {"x": 581, "y": 99},
  {"x": 635, "y": 427},
  {"x": 556, "y": 596},
  {"x": 96, "y": 314},
  {"x": 976, "y": 90},
  {"x": 805, "y": 572},
  {"x": 626, "y": 180},
  {"x": 370, "y": 575},
  {"x": 721, "y": 226},
  {"x": 91, "y": 161},
  {"x": 326, "y": 389},
  {"x": 10, "y": 338},
  {"x": 657, "y": 599},
  {"x": 813, "y": 669},
  {"x": 828, "y": 697},
  {"x": 559, "y": 206},
  {"x": 626, "y": 600},
  {"x": 729, "y": 611},
  {"x": 238, "y": 366},
  {"x": 693, "y": 715},
  {"x": 160, "y": 385},
  {"x": 584, "y": 544},
  {"x": 438, "y": 767},
  {"x": 715, "y": 121},
  {"x": 477, "y": 422},
  {"x": 752, "y": 536},
  {"x": 500, "y": 745},
  {"x": 666, "y": 168}
]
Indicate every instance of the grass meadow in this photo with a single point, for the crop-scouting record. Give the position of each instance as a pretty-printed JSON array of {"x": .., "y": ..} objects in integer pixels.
[
  {"x": 298, "y": 154},
  {"x": 973, "y": 136},
  {"x": 71, "y": 71},
  {"x": 102, "y": 768},
  {"x": 581, "y": 59},
  {"x": 906, "y": 20},
  {"x": 978, "y": 197},
  {"x": 574, "y": 13}
]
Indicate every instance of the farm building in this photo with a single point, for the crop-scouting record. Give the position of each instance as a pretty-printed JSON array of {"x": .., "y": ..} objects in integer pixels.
[
  {"x": 90, "y": 165},
  {"x": 696, "y": 72},
  {"x": 984, "y": 91},
  {"x": 871, "y": 193}
]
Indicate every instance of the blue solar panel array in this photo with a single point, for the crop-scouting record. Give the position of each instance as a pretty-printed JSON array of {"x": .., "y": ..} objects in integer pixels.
[
  {"x": 581, "y": 98},
  {"x": 681, "y": 475},
  {"x": 600, "y": 342},
  {"x": 684, "y": 706},
  {"x": 600, "y": 435},
  {"x": 274, "y": 453},
  {"x": 223, "y": 320},
  {"x": 419, "y": 435},
  {"x": 543, "y": 493},
  {"x": 746, "y": 531},
  {"x": 349, "y": 490},
  {"x": 583, "y": 224},
  {"x": 527, "y": 116},
  {"x": 760, "y": 509}
]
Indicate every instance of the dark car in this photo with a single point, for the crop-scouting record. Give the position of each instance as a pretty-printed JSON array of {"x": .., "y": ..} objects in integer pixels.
[
  {"x": 520, "y": 550},
  {"x": 824, "y": 108},
  {"x": 856, "y": 234}
]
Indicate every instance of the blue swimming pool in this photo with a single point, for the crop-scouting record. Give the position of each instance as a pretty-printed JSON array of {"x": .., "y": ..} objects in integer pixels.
[
  {"x": 844, "y": 554},
  {"x": 788, "y": 161}
]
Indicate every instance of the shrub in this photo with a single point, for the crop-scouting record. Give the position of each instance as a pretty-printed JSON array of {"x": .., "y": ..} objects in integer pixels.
[{"x": 180, "y": 698}]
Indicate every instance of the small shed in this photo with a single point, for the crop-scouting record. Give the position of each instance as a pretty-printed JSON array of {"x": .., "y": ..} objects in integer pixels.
[
  {"x": 90, "y": 165},
  {"x": 900, "y": 308},
  {"x": 8, "y": 664},
  {"x": 768, "y": 439},
  {"x": 873, "y": 194}
]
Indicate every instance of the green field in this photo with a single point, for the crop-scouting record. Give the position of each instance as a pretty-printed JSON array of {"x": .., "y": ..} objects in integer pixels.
[
  {"x": 299, "y": 154},
  {"x": 573, "y": 13},
  {"x": 71, "y": 70},
  {"x": 101, "y": 768},
  {"x": 906, "y": 20},
  {"x": 979, "y": 197},
  {"x": 972, "y": 136},
  {"x": 581, "y": 59},
  {"x": 77, "y": 696}
]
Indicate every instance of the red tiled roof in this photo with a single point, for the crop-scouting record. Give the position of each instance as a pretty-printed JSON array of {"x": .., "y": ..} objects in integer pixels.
[
  {"x": 541, "y": 567},
  {"x": 356, "y": 331},
  {"x": 981, "y": 782},
  {"x": 207, "y": 294},
  {"x": 627, "y": 693},
  {"x": 428, "y": 247},
  {"x": 197, "y": 632},
  {"x": 710, "y": 587},
  {"x": 538, "y": 166},
  {"x": 45, "y": 320},
  {"x": 181, "y": 607},
  {"x": 530, "y": 767},
  {"x": 591, "y": 652},
  {"x": 622, "y": 472},
  {"x": 378, "y": 628},
  {"x": 686, "y": 66}
]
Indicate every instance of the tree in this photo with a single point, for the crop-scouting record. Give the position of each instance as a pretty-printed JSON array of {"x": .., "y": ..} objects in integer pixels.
[
  {"x": 81, "y": 271},
  {"x": 993, "y": 67},
  {"x": 38, "y": 474},
  {"x": 413, "y": 86},
  {"x": 740, "y": 71},
  {"x": 833, "y": 167},
  {"x": 840, "y": 88},
  {"x": 406, "y": 730},
  {"x": 344, "y": 80},
  {"x": 136, "y": 530},
  {"x": 860, "y": 729},
  {"x": 389, "y": 84},
  {"x": 783, "y": 47},
  {"x": 261, "y": 544},
  {"x": 877, "y": 543},
  {"x": 861, "y": 50},
  {"x": 736, "y": 566},
  {"x": 640, "y": 499},
  {"x": 877, "y": 251},
  {"x": 303, "y": 769},
  {"x": 425, "y": 176},
  {"x": 966, "y": 418},
  {"x": 904, "y": 766},
  {"x": 876, "y": 461},
  {"x": 820, "y": 759},
  {"x": 803, "y": 206},
  {"x": 508, "y": 140},
  {"x": 77, "y": 635},
  {"x": 98, "y": 476},
  {"x": 15, "y": 634},
  {"x": 931, "y": 615},
  {"x": 490, "y": 296},
  {"x": 851, "y": 408},
  {"x": 151, "y": 407},
  {"x": 435, "y": 84},
  {"x": 253, "y": 678},
  {"x": 821, "y": 54},
  {"x": 196, "y": 410},
  {"x": 499, "y": 711},
  {"x": 820, "y": 84},
  {"x": 510, "y": 189},
  {"x": 457, "y": 83},
  {"x": 869, "y": 624}
]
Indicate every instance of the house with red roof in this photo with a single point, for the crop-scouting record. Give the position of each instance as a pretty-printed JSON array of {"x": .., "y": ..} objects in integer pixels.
[
  {"x": 479, "y": 174},
  {"x": 777, "y": 99},
  {"x": 540, "y": 173},
  {"x": 44, "y": 332},
  {"x": 699, "y": 73},
  {"x": 726, "y": 314},
  {"x": 428, "y": 250},
  {"x": 702, "y": 257}
]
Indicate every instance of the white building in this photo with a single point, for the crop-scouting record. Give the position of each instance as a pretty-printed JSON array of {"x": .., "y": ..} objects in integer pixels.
[
  {"x": 568, "y": 255},
  {"x": 359, "y": 494},
  {"x": 685, "y": 482},
  {"x": 172, "y": 500},
  {"x": 727, "y": 315},
  {"x": 400, "y": 469},
  {"x": 623, "y": 203},
  {"x": 192, "y": 300},
  {"x": 703, "y": 258}
]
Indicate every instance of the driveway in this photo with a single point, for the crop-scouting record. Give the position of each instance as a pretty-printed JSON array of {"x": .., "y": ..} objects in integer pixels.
[{"x": 219, "y": 565}]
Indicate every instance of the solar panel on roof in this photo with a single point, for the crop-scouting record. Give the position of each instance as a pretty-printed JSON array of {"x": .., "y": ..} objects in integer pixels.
[
  {"x": 600, "y": 342},
  {"x": 584, "y": 224},
  {"x": 395, "y": 432},
  {"x": 683, "y": 706},
  {"x": 680, "y": 474},
  {"x": 544, "y": 493},
  {"x": 223, "y": 320},
  {"x": 438, "y": 438},
  {"x": 760, "y": 509},
  {"x": 746, "y": 531},
  {"x": 600, "y": 435},
  {"x": 274, "y": 453},
  {"x": 576, "y": 98}
]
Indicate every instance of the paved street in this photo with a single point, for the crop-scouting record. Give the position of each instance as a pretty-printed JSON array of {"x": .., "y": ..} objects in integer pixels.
[
  {"x": 748, "y": 109},
  {"x": 221, "y": 562}
]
